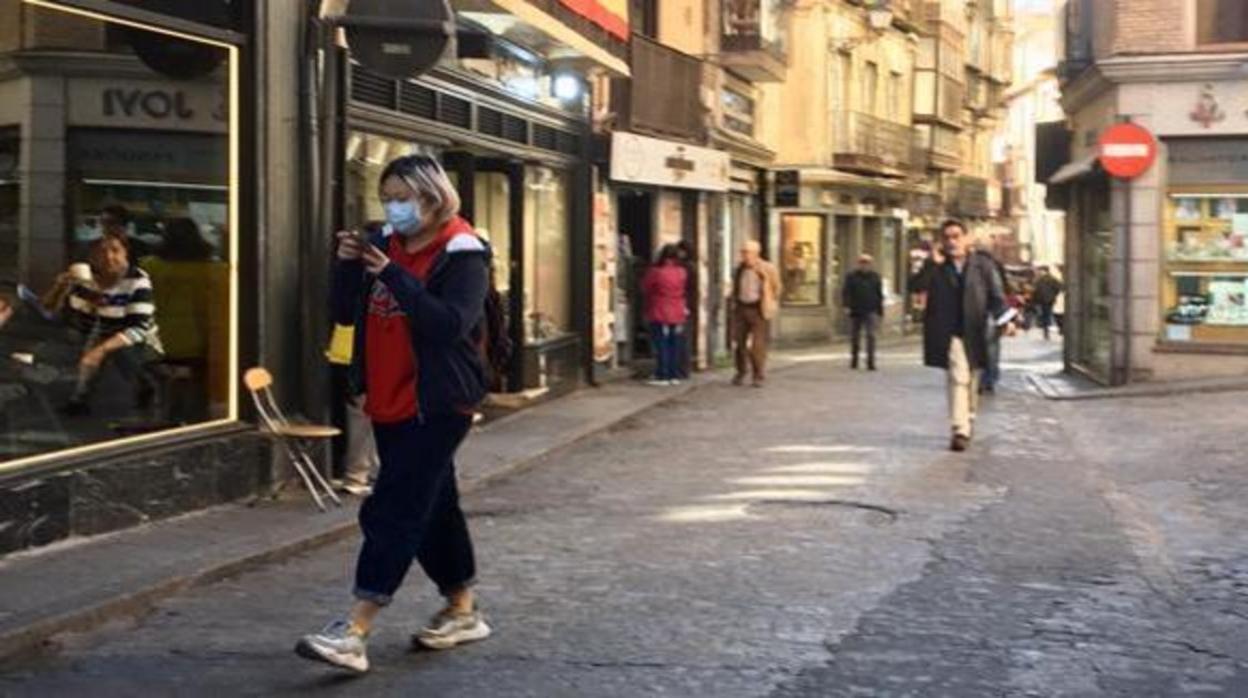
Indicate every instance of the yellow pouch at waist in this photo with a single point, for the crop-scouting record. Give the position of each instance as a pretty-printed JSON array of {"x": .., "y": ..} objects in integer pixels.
[{"x": 341, "y": 344}]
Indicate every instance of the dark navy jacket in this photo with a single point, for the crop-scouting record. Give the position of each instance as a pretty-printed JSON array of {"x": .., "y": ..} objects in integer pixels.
[{"x": 446, "y": 317}]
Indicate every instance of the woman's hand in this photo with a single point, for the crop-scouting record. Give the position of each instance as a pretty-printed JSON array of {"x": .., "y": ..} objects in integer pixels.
[
  {"x": 350, "y": 245},
  {"x": 92, "y": 358},
  {"x": 374, "y": 259}
]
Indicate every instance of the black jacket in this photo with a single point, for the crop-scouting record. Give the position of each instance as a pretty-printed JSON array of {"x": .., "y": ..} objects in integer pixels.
[
  {"x": 1047, "y": 290},
  {"x": 863, "y": 293},
  {"x": 979, "y": 305},
  {"x": 446, "y": 317}
]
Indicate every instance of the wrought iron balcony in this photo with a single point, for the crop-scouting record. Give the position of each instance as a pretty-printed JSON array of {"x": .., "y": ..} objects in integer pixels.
[
  {"x": 870, "y": 145},
  {"x": 752, "y": 41}
]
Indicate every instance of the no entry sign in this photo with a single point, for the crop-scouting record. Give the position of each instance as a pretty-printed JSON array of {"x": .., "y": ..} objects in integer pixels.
[{"x": 1127, "y": 150}]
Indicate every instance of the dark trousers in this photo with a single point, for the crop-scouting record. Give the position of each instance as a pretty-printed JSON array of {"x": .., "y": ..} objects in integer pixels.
[
  {"x": 1046, "y": 318},
  {"x": 992, "y": 371},
  {"x": 868, "y": 323},
  {"x": 413, "y": 512},
  {"x": 666, "y": 350},
  {"x": 751, "y": 337}
]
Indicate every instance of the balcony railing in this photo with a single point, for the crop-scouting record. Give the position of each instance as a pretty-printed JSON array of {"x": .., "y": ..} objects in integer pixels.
[
  {"x": 752, "y": 41},
  {"x": 866, "y": 143},
  {"x": 663, "y": 96}
]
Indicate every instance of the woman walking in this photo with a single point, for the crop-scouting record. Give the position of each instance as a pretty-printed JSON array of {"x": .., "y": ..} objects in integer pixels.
[
  {"x": 416, "y": 297},
  {"x": 666, "y": 310}
]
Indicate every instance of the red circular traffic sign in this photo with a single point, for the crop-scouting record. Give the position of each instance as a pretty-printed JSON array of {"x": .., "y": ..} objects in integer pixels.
[{"x": 1127, "y": 150}]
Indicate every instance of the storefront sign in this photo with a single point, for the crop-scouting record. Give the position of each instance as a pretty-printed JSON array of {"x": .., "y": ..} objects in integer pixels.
[
  {"x": 139, "y": 104},
  {"x": 1207, "y": 160},
  {"x": 788, "y": 188},
  {"x": 644, "y": 160},
  {"x": 1127, "y": 150}
]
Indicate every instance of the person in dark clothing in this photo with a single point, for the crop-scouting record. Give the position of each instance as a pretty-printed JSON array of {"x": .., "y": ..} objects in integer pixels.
[
  {"x": 863, "y": 297},
  {"x": 416, "y": 299},
  {"x": 964, "y": 302},
  {"x": 1048, "y": 288},
  {"x": 992, "y": 372}
]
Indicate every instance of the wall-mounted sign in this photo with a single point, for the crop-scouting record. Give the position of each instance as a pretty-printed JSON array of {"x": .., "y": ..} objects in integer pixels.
[
  {"x": 1127, "y": 150},
  {"x": 142, "y": 104},
  {"x": 644, "y": 160}
]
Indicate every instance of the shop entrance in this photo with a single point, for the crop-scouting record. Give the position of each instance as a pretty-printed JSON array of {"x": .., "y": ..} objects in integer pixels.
[{"x": 635, "y": 226}]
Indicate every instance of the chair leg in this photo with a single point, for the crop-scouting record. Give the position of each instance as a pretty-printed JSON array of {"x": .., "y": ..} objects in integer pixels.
[
  {"x": 316, "y": 473},
  {"x": 293, "y": 454}
]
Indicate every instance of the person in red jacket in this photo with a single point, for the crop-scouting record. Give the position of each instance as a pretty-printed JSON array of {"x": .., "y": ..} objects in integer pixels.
[
  {"x": 666, "y": 311},
  {"x": 416, "y": 298}
]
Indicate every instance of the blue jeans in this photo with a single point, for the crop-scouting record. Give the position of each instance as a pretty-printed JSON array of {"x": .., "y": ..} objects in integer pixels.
[
  {"x": 413, "y": 512},
  {"x": 992, "y": 371},
  {"x": 667, "y": 340}
]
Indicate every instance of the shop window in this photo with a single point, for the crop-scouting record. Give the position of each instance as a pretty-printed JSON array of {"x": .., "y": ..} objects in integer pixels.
[
  {"x": 1205, "y": 294},
  {"x": 117, "y": 250},
  {"x": 493, "y": 222},
  {"x": 547, "y": 286},
  {"x": 801, "y": 259},
  {"x": 1221, "y": 22}
]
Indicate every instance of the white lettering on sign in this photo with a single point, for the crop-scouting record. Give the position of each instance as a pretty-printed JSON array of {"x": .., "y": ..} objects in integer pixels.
[{"x": 1125, "y": 150}]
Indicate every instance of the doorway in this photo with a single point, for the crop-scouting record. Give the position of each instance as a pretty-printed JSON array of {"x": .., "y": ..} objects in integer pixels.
[{"x": 635, "y": 227}]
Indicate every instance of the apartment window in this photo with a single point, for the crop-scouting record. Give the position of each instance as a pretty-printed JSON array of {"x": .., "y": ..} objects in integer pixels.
[
  {"x": 1221, "y": 22},
  {"x": 644, "y": 16},
  {"x": 846, "y": 71},
  {"x": 894, "y": 95},
  {"x": 871, "y": 88}
]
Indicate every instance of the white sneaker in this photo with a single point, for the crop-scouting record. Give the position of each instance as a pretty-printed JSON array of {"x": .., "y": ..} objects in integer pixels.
[
  {"x": 337, "y": 645},
  {"x": 657, "y": 382},
  {"x": 448, "y": 629},
  {"x": 357, "y": 489}
]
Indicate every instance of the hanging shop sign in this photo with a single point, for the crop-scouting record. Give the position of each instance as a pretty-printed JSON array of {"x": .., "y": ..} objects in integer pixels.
[
  {"x": 1127, "y": 150},
  {"x": 643, "y": 160}
]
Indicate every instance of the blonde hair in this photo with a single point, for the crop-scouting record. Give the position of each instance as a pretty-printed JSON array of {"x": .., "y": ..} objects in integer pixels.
[{"x": 426, "y": 177}]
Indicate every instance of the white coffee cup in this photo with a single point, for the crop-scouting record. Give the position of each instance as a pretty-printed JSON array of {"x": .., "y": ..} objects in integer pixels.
[{"x": 80, "y": 271}]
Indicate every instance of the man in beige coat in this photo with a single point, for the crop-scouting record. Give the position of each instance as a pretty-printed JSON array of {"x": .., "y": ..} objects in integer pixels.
[{"x": 756, "y": 289}]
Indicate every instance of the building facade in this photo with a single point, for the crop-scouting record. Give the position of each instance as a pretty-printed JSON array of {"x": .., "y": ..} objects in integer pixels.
[
  {"x": 1157, "y": 266},
  {"x": 223, "y": 143}
]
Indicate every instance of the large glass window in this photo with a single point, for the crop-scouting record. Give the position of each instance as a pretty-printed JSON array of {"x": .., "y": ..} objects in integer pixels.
[
  {"x": 547, "y": 287},
  {"x": 1096, "y": 241},
  {"x": 117, "y": 245},
  {"x": 801, "y": 258},
  {"x": 493, "y": 222},
  {"x": 1221, "y": 22},
  {"x": 1205, "y": 290}
]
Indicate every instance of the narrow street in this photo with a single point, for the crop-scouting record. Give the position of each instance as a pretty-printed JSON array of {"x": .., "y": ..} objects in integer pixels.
[{"x": 814, "y": 538}]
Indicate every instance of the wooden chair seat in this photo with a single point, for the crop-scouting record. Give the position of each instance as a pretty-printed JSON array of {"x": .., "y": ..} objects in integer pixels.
[{"x": 307, "y": 431}]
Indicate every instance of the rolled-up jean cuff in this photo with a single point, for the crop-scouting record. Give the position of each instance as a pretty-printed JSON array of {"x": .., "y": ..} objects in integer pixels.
[
  {"x": 373, "y": 597},
  {"x": 449, "y": 589}
]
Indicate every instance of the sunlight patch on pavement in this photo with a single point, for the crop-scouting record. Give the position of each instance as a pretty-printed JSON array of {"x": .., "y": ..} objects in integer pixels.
[
  {"x": 800, "y": 480},
  {"x": 706, "y": 513},
  {"x": 786, "y": 494},
  {"x": 825, "y": 468},
  {"x": 811, "y": 448}
]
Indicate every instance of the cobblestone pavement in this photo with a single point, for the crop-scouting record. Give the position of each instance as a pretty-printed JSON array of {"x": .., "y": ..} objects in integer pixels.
[{"x": 810, "y": 539}]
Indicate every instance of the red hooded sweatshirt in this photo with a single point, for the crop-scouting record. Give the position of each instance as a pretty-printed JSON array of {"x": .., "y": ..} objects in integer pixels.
[{"x": 664, "y": 286}]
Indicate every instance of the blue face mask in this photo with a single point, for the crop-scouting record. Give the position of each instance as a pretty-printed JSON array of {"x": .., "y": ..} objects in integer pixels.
[{"x": 403, "y": 217}]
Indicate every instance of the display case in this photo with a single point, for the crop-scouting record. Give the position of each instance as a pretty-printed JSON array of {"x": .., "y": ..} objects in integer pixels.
[{"x": 1205, "y": 272}]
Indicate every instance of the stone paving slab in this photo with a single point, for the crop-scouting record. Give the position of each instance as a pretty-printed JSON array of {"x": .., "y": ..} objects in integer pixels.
[{"x": 1063, "y": 386}]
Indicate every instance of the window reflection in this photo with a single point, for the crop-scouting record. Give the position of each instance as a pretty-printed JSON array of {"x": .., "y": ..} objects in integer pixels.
[
  {"x": 547, "y": 311},
  {"x": 115, "y": 260}
]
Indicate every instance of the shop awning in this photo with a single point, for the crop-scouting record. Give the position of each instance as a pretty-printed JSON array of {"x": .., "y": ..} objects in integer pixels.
[
  {"x": 1074, "y": 169},
  {"x": 524, "y": 18}
]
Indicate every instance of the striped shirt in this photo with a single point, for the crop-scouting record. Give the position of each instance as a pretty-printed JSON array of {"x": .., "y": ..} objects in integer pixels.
[{"x": 126, "y": 308}]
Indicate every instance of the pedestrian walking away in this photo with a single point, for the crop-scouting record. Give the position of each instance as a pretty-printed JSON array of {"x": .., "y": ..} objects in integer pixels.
[
  {"x": 756, "y": 290},
  {"x": 992, "y": 371},
  {"x": 863, "y": 298},
  {"x": 664, "y": 286},
  {"x": 416, "y": 300},
  {"x": 1048, "y": 288},
  {"x": 965, "y": 301}
]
